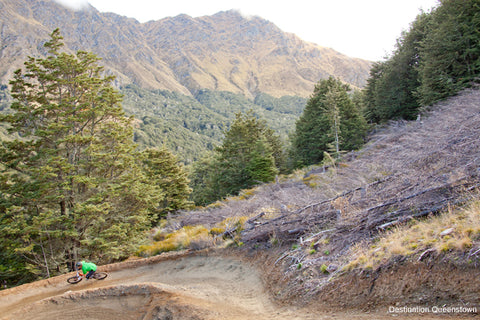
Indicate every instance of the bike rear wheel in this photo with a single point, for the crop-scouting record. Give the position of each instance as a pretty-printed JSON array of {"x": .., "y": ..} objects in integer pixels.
[
  {"x": 99, "y": 275},
  {"x": 75, "y": 279}
]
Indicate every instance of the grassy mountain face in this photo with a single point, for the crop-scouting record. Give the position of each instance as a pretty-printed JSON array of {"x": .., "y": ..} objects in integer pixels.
[
  {"x": 228, "y": 52},
  {"x": 224, "y": 52},
  {"x": 183, "y": 78}
]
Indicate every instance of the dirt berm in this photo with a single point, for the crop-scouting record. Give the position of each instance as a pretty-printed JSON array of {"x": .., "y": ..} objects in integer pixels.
[{"x": 170, "y": 286}]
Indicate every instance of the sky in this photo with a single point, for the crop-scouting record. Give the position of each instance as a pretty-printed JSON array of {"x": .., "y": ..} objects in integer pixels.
[{"x": 366, "y": 29}]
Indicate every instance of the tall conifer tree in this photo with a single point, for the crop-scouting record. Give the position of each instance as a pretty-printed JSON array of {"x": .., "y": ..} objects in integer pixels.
[
  {"x": 451, "y": 50},
  {"x": 330, "y": 121},
  {"x": 248, "y": 156},
  {"x": 165, "y": 172},
  {"x": 73, "y": 187}
]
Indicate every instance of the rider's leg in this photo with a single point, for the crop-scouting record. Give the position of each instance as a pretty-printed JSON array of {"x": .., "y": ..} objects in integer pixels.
[{"x": 89, "y": 274}]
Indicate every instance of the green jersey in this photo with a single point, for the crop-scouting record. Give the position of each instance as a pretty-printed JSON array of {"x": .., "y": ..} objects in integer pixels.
[{"x": 88, "y": 266}]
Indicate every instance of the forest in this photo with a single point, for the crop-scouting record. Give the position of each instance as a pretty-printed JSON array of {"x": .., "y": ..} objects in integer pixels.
[{"x": 85, "y": 174}]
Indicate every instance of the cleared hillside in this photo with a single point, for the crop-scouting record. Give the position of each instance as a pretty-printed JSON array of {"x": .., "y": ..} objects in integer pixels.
[{"x": 315, "y": 222}]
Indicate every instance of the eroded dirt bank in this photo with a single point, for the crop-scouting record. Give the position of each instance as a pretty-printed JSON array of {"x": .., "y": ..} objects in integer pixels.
[{"x": 404, "y": 289}]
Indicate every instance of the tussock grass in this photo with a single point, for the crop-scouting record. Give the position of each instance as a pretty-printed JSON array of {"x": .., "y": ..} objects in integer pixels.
[
  {"x": 456, "y": 230},
  {"x": 233, "y": 222},
  {"x": 183, "y": 238},
  {"x": 192, "y": 237}
]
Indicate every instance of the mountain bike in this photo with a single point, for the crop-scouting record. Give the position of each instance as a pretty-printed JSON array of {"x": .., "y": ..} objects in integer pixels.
[{"x": 77, "y": 278}]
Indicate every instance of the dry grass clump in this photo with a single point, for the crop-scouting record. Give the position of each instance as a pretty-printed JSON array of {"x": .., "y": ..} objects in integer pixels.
[
  {"x": 231, "y": 223},
  {"x": 193, "y": 237},
  {"x": 243, "y": 195},
  {"x": 456, "y": 230},
  {"x": 184, "y": 238}
]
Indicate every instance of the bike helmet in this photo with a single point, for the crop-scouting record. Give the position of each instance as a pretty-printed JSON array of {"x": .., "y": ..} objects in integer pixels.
[{"x": 78, "y": 264}]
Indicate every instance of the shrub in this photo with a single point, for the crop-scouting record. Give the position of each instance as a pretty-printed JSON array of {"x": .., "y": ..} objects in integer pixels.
[{"x": 324, "y": 268}]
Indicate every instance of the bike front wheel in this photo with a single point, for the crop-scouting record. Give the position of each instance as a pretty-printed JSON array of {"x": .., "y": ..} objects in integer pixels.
[
  {"x": 99, "y": 275},
  {"x": 75, "y": 279}
]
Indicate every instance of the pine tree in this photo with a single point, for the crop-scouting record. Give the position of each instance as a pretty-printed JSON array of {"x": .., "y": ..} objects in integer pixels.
[
  {"x": 74, "y": 188},
  {"x": 204, "y": 179},
  {"x": 261, "y": 164},
  {"x": 246, "y": 158},
  {"x": 242, "y": 143},
  {"x": 451, "y": 50},
  {"x": 310, "y": 139},
  {"x": 332, "y": 110},
  {"x": 330, "y": 121},
  {"x": 164, "y": 171}
]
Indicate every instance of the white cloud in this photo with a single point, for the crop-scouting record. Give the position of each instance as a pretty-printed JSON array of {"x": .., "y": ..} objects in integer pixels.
[{"x": 73, "y": 4}]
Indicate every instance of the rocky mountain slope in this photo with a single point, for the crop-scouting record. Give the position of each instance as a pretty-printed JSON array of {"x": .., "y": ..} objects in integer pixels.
[{"x": 224, "y": 52}]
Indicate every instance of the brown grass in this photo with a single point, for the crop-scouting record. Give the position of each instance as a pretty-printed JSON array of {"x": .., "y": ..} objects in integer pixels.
[
  {"x": 455, "y": 230},
  {"x": 192, "y": 237}
]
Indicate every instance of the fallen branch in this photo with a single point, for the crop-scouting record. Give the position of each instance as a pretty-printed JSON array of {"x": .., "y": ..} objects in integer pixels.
[
  {"x": 473, "y": 254},
  {"x": 425, "y": 253},
  {"x": 287, "y": 254},
  {"x": 295, "y": 231},
  {"x": 258, "y": 216},
  {"x": 343, "y": 194},
  {"x": 312, "y": 237},
  {"x": 446, "y": 186},
  {"x": 439, "y": 206},
  {"x": 283, "y": 256}
]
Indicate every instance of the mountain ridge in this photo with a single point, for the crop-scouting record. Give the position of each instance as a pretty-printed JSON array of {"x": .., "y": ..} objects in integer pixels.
[{"x": 222, "y": 52}]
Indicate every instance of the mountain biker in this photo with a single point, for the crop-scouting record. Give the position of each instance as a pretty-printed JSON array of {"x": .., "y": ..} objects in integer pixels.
[{"x": 87, "y": 268}]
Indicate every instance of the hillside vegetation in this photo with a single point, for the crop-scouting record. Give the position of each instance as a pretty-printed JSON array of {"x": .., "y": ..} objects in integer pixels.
[
  {"x": 353, "y": 212},
  {"x": 383, "y": 223},
  {"x": 183, "y": 78},
  {"x": 377, "y": 207},
  {"x": 190, "y": 126}
]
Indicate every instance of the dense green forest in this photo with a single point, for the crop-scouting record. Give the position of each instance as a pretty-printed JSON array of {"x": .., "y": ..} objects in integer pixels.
[
  {"x": 189, "y": 126},
  {"x": 331, "y": 122},
  {"x": 87, "y": 169},
  {"x": 251, "y": 153},
  {"x": 438, "y": 56}
]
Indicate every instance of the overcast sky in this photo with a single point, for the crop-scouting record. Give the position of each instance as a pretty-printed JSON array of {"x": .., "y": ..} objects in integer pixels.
[{"x": 365, "y": 29}]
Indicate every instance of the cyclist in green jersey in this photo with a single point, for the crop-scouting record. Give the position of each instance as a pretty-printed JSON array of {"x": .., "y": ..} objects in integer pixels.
[{"x": 87, "y": 268}]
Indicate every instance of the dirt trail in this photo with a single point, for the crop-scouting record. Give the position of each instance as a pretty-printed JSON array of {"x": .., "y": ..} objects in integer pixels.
[
  {"x": 185, "y": 287},
  {"x": 189, "y": 287}
]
